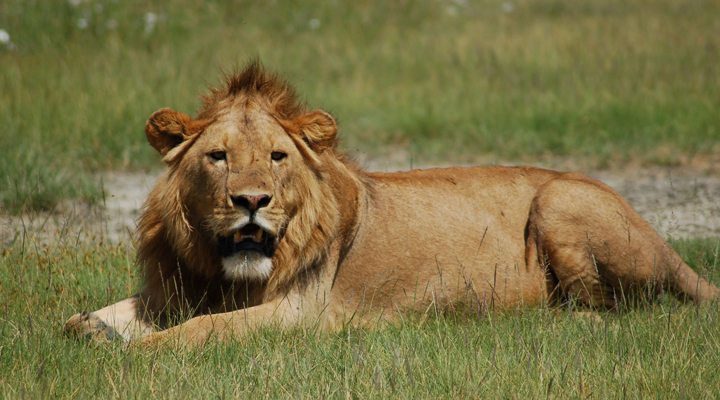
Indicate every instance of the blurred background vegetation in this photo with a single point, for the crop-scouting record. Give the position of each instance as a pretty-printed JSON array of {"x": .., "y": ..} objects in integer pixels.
[{"x": 600, "y": 82}]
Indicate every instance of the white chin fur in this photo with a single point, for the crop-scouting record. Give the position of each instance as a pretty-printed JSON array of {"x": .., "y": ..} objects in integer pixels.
[{"x": 247, "y": 265}]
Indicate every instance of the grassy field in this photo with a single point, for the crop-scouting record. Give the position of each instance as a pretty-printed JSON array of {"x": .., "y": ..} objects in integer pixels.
[
  {"x": 668, "y": 350},
  {"x": 600, "y": 82}
]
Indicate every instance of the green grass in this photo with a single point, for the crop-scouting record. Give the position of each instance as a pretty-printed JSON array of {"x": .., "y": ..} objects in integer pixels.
[
  {"x": 602, "y": 82},
  {"x": 668, "y": 350}
]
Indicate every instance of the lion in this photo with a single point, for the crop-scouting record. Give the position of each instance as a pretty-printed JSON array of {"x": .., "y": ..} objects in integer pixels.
[{"x": 259, "y": 220}]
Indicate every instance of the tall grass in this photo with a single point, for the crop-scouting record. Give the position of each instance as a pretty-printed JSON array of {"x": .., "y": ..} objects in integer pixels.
[
  {"x": 667, "y": 350},
  {"x": 599, "y": 81}
]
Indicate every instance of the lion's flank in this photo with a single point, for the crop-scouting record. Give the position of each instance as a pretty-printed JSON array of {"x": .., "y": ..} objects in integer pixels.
[{"x": 254, "y": 82}]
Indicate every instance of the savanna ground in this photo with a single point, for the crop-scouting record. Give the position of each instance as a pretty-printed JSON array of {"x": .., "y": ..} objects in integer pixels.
[{"x": 628, "y": 91}]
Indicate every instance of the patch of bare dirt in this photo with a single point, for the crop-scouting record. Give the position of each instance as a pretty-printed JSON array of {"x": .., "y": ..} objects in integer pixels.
[
  {"x": 678, "y": 202},
  {"x": 113, "y": 220}
]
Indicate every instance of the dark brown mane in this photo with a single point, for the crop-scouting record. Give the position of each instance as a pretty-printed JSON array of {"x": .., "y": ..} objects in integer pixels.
[{"x": 254, "y": 82}]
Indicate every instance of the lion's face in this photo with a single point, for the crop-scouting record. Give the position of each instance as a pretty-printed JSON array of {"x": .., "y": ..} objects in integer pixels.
[
  {"x": 242, "y": 176},
  {"x": 241, "y": 162}
]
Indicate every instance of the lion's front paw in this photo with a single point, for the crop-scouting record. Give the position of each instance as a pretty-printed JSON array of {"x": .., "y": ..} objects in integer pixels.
[{"x": 87, "y": 325}]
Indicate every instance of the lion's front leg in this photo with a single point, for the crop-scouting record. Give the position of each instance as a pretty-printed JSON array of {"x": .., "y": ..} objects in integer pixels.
[
  {"x": 234, "y": 324},
  {"x": 116, "y": 321}
]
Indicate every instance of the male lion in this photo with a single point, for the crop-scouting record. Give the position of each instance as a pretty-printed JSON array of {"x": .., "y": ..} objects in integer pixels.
[{"x": 260, "y": 220}]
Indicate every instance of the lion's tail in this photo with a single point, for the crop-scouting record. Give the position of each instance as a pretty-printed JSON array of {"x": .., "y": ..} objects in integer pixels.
[{"x": 687, "y": 284}]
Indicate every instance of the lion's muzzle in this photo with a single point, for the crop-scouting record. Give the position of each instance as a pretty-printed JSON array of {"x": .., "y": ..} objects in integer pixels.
[{"x": 250, "y": 238}]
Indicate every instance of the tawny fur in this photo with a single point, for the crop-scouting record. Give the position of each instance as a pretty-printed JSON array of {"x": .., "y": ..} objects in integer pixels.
[{"x": 356, "y": 246}]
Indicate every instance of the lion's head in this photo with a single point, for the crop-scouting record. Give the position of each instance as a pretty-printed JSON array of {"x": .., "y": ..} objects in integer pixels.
[{"x": 245, "y": 195}]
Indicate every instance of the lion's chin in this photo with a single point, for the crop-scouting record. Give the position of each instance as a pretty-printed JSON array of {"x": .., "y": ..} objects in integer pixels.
[{"x": 247, "y": 265}]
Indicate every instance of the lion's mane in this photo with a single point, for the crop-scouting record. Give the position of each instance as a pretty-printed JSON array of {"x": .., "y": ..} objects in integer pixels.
[{"x": 181, "y": 268}]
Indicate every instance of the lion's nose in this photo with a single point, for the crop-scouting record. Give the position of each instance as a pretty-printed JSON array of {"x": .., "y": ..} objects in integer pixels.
[{"x": 252, "y": 202}]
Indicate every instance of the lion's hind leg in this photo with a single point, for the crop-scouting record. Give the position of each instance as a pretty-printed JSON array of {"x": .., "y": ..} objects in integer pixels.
[
  {"x": 601, "y": 251},
  {"x": 575, "y": 276},
  {"x": 579, "y": 278}
]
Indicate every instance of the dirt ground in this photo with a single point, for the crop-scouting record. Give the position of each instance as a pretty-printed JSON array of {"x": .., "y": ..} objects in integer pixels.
[{"x": 678, "y": 202}]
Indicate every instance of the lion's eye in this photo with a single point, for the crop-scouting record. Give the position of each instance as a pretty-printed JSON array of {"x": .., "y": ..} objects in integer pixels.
[
  {"x": 277, "y": 155},
  {"x": 217, "y": 155}
]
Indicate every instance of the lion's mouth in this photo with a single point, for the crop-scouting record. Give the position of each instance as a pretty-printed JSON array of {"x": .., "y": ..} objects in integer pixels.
[{"x": 248, "y": 238}]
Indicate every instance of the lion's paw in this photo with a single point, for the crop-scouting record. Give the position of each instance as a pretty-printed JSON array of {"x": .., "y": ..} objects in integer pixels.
[{"x": 87, "y": 325}]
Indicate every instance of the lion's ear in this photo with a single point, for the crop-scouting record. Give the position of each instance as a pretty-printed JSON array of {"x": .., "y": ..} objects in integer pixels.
[
  {"x": 166, "y": 128},
  {"x": 318, "y": 129}
]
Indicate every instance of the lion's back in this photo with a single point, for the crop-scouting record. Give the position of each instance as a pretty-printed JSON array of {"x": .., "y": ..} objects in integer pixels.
[{"x": 441, "y": 229}]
